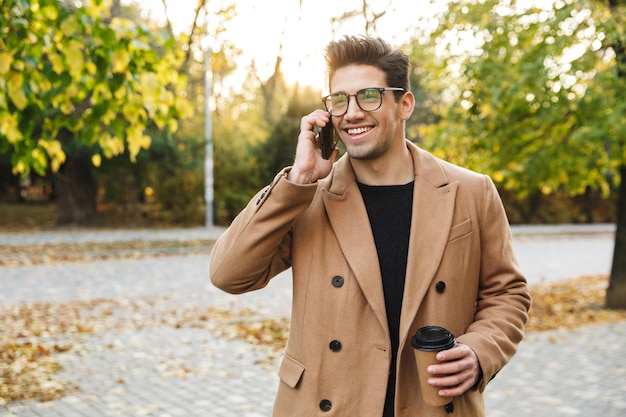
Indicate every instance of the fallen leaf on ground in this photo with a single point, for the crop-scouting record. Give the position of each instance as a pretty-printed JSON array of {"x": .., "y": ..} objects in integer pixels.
[{"x": 28, "y": 361}]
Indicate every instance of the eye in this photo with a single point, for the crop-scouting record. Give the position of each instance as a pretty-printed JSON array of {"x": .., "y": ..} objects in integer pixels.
[
  {"x": 339, "y": 99},
  {"x": 369, "y": 94}
]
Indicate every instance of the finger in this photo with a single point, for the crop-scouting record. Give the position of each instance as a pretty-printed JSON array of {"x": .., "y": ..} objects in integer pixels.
[
  {"x": 451, "y": 380},
  {"x": 449, "y": 368},
  {"x": 457, "y": 352},
  {"x": 453, "y": 385},
  {"x": 315, "y": 118},
  {"x": 455, "y": 391}
]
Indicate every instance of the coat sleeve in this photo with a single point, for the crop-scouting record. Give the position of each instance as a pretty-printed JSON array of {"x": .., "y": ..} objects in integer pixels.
[
  {"x": 257, "y": 245},
  {"x": 503, "y": 297}
]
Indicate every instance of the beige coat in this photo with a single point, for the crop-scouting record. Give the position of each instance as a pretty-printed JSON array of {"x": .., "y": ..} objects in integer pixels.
[{"x": 462, "y": 274}]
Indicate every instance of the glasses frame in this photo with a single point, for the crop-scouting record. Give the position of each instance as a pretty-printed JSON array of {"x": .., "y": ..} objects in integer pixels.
[{"x": 381, "y": 90}]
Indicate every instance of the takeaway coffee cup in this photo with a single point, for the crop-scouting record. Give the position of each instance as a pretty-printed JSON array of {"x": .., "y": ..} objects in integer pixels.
[{"x": 426, "y": 342}]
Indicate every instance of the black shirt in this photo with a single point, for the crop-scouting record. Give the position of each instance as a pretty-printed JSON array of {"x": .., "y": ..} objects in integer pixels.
[{"x": 389, "y": 208}]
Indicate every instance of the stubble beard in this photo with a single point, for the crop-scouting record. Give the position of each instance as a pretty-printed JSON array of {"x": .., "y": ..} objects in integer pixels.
[{"x": 368, "y": 152}]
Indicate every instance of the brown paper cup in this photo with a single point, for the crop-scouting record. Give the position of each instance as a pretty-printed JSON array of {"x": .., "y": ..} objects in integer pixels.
[{"x": 426, "y": 343}]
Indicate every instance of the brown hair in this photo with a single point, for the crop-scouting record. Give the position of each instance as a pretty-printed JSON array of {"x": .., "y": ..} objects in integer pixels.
[{"x": 362, "y": 50}]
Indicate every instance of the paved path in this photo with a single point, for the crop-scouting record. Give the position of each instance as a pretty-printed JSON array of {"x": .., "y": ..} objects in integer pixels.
[{"x": 170, "y": 371}]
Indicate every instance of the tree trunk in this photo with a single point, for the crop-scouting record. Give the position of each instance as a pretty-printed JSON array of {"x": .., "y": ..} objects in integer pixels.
[
  {"x": 616, "y": 293},
  {"x": 76, "y": 192}
]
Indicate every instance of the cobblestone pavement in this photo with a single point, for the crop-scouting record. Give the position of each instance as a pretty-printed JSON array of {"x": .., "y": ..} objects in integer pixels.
[{"x": 169, "y": 371}]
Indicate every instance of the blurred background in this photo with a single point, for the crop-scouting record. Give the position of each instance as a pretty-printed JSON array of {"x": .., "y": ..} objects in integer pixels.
[
  {"x": 154, "y": 113},
  {"x": 133, "y": 130}
]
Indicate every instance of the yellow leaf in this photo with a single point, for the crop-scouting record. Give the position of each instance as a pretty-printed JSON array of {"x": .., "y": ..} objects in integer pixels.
[
  {"x": 57, "y": 63},
  {"x": 148, "y": 82},
  {"x": 39, "y": 156},
  {"x": 5, "y": 62},
  {"x": 19, "y": 168},
  {"x": 74, "y": 58},
  {"x": 50, "y": 12},
  {"x": 16, "y": 92},
  {"x": 120, "y": 60},
  {"x": 486, "y": 110},
  {"x": 123, "y": 28},
  {"x": 111, "y": 146},
  {"x": 173, "y": 124},
  {"x": 101, "y": 93},
  {"x": 55, "y": 152},
  {"x": 72, "y": 91},
  {"x": 55, "y": 165},
  {"x": 164, "y": 107},
  {"x": 96, "y": 160},
  {"x": 131, "y": 113},
  {"x": 136, "y": 141},
  {"x": 9, "y": 127},
  {"x": 498, "y": 176},
  {"x": 108, "y": 117},
  {"x": 91, "y": 68},
  {"x": 160, "y": 123},
  {"x": 67, "y": 107},
  {"x": 69, "y": 26},
  {"x": 99, "y": 8},
  {"x": 120, "y": 93},
  {"x": 19, "y": 65}
]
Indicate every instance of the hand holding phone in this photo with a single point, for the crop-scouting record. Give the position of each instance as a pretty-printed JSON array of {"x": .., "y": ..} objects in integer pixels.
[{"x": 326, "y": 139}]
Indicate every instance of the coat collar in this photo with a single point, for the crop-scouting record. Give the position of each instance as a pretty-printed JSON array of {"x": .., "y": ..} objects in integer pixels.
[{"x": 433, "y": 204}]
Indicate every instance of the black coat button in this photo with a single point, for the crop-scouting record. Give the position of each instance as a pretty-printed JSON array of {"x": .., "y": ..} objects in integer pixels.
[
  {"x": 440, "y": 287},
  {"x": 335, "y": 345},
  {"x": 337, "y": 281},
  {"x": 325, "y": 405}
]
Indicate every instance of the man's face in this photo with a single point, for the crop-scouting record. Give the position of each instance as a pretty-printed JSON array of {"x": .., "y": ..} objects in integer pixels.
[{"x": 367, "y": 135}]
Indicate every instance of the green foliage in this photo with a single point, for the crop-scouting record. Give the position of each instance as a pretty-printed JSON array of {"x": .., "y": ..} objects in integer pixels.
[
  {"x": 255, "y": 135},
  {"x": 75, "y": 70},
  {"x": 424, "y": 111},
  {"x": 238, "y": 128},
  {"x": 165, "y": 183},
  {"x": 530, "y": 96},
  {"x": 279, "y": 149}
]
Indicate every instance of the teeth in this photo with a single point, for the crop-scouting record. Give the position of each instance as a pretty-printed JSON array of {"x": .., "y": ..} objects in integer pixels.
[{"x": 358, "y": 131}]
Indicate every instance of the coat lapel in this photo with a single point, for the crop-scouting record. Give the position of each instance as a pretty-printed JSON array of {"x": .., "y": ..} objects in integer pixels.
[
  {"x": 433, "y": 209},
  {"x": 350, "y": 223}
]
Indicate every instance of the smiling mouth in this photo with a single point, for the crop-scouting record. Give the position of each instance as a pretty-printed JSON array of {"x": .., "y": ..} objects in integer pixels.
[{"x": 359, "y": 130}]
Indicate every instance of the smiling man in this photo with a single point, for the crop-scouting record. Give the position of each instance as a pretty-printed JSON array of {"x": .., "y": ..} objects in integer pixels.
[{"x": 383, "y": 241}]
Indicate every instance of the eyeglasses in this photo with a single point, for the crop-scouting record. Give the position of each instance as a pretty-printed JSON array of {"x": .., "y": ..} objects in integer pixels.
[{"x": 368, "y": 99}]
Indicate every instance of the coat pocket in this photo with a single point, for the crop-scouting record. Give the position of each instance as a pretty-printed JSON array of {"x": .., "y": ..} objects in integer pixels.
[
  {"x": 460, "y": 230},
  {"x": 290, "y": 371}
]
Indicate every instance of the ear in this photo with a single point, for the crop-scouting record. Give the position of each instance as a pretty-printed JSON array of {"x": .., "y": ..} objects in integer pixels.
[{"x": 406, "y": 105}]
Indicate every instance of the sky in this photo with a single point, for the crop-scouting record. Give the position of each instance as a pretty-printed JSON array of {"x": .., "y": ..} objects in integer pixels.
[{"x": 262, "y": 26}]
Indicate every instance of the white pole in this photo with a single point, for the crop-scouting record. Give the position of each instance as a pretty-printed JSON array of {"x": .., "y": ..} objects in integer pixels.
[{"x": 208, "y": 136}]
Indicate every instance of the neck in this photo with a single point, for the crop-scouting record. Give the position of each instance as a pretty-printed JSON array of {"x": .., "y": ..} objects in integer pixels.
[{"x": 394, "y": 168}]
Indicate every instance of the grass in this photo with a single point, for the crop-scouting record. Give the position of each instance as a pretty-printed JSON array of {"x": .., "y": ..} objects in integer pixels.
[{"x": 37, "y": 216}]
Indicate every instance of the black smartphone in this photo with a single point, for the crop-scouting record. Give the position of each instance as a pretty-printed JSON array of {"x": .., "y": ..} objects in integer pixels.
[{"x": 326, "y": 138}]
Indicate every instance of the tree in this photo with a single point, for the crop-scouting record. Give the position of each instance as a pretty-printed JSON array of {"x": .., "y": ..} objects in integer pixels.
[
  {"x": 533, "y": 96},
  {"x": 616, "y": 293},
  {"x": 78, "y": 86},
  {"x": 278, "y": 151},
  {"x": 366, "y": 12}
]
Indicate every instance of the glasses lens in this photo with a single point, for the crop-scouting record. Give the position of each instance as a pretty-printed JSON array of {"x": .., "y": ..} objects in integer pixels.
[
  {"x": 337, "y": 104},
  {"x": 369, "y": 99}
]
